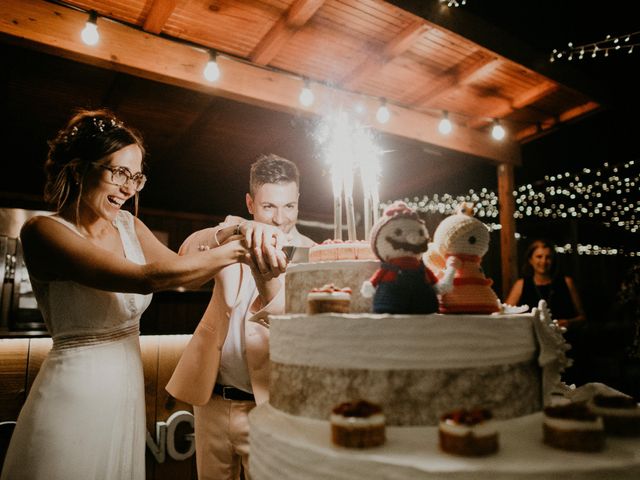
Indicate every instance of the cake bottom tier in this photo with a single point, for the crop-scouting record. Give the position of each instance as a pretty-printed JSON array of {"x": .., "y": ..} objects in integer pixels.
[{"x": 288, "y": 447}]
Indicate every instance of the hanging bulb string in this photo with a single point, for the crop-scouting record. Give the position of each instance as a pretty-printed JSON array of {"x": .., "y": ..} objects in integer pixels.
[
  {"x": 602, "y": 48},
  {"x": 326, "y": 84}
]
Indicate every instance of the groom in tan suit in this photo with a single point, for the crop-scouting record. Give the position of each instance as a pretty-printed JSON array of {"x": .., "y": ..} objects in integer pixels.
[{"x": 224, "y": 370}]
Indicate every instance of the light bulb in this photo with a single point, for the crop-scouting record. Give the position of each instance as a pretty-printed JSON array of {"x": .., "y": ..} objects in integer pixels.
[
  {"x": 90, "y": 34},
  {"x": 212, "y": 70},
  {"x": 383, "y": 115},
  {"x": 306, "y": 95},
  {"x": 498, "y": 132},
  {"x": 445, "y": 127}
]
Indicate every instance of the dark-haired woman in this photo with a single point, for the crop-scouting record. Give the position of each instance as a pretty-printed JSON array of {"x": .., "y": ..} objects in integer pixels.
[
  {"x": 93, "y": 267},
  {"x": 542, "y": 281}
]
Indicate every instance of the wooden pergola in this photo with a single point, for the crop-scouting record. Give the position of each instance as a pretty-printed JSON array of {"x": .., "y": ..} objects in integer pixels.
[{"x": 352, "y": 51}]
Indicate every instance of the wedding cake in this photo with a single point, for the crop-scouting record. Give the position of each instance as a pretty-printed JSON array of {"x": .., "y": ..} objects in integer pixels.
[{"x": 416, "y": 368}]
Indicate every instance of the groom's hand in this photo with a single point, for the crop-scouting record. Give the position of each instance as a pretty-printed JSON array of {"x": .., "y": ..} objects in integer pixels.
[{"x": 258, "y": 234}]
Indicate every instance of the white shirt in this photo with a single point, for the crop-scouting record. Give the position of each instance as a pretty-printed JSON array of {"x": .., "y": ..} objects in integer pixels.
[{"x": 233, "y": 363}]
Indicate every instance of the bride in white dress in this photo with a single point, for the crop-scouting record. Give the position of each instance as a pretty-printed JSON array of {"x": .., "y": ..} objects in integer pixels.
[{"x": 93, "y": 267}]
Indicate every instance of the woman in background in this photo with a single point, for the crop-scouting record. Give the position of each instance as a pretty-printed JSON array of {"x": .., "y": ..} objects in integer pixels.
[
  {"x": 93, "y": 267},
  {"x": 541, "y": 280}
]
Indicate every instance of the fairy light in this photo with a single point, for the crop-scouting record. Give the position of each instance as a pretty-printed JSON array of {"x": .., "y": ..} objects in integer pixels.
[
  {"x": 453, "y": 3},
  {"x": 608, "y": 195},
  {"x": 594, "y": 50}
]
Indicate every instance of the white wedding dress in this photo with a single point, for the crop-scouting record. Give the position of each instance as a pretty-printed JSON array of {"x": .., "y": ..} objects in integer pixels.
[{"x": 84, "y": 418}]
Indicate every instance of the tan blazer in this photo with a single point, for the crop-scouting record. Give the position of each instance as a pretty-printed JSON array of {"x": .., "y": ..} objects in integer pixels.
[{"x": 195, "y": 375}]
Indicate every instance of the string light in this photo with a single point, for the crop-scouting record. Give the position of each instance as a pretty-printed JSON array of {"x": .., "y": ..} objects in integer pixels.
[
  {"x": 498, "y": 132},
  {"x": 306, "y": 95},
  {"x": 607, "y": 195},
  {"x": 602, "y": 48},
  {"x": 90, "y": 34},
  {"x": 383, "y": 115},
  {"x": 212, "y": 70},
  {"x": 454, "y": 3},
  {"x": 485, "y": 205},
  {"x": 445, "y": 127}
]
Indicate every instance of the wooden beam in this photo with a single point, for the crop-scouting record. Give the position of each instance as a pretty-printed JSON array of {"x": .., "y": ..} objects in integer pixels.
[
  {"x": 508, "y": 250},
  {"x": 454, "y": 78},
  {"x": 159, "y": 13},
  {"x": 530, "y": 96},
  {"x": 497, "y": 41},
  {"x": 400, "y": 44},
  {"x": 546, "y": 125},
  {"x": 56, "y": 30},
  {"x": 298, "y": 14}
]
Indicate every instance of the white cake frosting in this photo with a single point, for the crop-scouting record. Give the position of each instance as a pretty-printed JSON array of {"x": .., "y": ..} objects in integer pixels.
[
  {"x": 482, "y": 429},
  {"x": 569, "y": 424},
  {"x": 286, "y": 447},
  {"x": 401, "y": 341},
  {"x": 370, "y": 421},
  {"x": 335, "y": 295}
]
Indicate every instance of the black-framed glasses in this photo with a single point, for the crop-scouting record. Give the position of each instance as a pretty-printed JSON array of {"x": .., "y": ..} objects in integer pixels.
[{"x": 121, "y": 175}]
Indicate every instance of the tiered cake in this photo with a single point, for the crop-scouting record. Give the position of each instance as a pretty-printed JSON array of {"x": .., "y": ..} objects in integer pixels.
[{"x": 416, "y": 367}]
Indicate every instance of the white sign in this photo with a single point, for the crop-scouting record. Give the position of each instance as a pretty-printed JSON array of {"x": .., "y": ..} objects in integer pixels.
[{"x": 166, "y": 438}]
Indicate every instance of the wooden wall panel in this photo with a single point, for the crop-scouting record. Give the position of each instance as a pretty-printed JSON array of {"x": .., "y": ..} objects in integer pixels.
[
  {"x": 38, "y": 350},
  {"x": 21, "y": 358},
  {"x": 14, "y": 354}
]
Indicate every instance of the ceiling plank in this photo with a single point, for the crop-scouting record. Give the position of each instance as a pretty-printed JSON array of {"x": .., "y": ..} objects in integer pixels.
[
  {"x": 56, "y": 29},
  {"x": 159, "y": 13},
  {"x": 530, "y": 96},
  {"x": 543, "y": 127},
  {"x": 298, "y": 14},
  {"x": 400, "y": 44},
  {"x": 477, "y": 70},
  {"x": 447, "y": 81}
]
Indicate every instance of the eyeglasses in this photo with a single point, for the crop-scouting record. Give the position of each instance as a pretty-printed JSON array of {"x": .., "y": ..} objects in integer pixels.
[{"x": 121, "y": 175}]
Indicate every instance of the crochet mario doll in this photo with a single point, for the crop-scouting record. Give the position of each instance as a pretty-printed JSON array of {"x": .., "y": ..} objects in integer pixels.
[{"x": 403, "y": 284}]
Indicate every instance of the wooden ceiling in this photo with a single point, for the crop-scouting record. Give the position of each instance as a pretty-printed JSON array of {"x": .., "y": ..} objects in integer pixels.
[{"x": 203, "y": 136}]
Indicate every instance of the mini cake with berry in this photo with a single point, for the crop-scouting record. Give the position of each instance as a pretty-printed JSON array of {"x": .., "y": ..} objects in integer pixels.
[
  {"x": 470, "y": 433},
  {"x": 620, "y": 414},
  {"x": 573, "y": 427},
  {"x": 359, "y": 424},
  {"x": 332, "y": 250},
  {"x": 328, "y": 299}
]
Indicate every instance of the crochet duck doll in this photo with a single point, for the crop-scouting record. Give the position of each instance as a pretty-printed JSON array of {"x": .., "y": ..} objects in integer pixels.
[
  {"x": 465, "y": 239},
  {"x": 403, "y": 284}
]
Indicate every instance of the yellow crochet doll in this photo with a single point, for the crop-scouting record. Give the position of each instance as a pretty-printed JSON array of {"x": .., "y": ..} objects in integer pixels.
[{"x": 464, "y": 239}]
